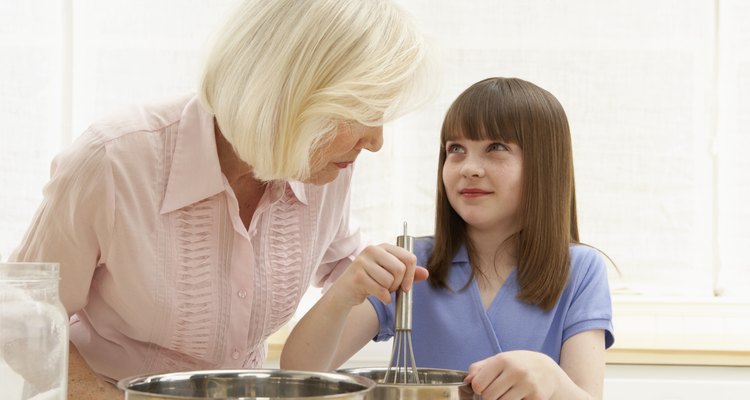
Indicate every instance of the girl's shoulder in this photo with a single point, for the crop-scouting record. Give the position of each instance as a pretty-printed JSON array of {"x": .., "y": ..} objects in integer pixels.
[
  {"x": 584, "y": 251},
  {"x": 586, "y": 261},
  {"x": 423, "y": 248}
]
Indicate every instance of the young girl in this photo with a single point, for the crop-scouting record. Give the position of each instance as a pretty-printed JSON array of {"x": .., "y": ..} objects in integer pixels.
[{"x": 512, "y": 297}]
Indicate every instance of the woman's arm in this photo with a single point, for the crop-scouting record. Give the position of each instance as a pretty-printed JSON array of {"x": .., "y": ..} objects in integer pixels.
[
  {"x": 84, "y": 384},
  {"x": 74, "y": 223},
  {"x": 342, "y": 322},
  {"x": 529, "y": 374}
]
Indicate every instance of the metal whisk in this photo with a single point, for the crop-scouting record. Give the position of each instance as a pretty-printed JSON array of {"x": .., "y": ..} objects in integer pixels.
[{"x": 402, "y": 364}]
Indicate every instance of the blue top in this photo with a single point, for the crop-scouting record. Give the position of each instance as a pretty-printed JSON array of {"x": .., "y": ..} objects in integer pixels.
[{"x": 452, "y": 330}]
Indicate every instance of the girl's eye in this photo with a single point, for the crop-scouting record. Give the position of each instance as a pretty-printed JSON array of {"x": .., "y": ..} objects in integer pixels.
[
  {"x": 497, "y": 147},
  {"x": 454, "y": 148}
]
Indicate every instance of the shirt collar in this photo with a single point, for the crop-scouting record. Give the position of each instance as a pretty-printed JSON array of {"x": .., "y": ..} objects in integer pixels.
[
  {"x": 461, "y": 255},
  {"x": 276, "y": 190},
  {"x": 298, "y": 189},
  {"x": 195, "y": 172}
]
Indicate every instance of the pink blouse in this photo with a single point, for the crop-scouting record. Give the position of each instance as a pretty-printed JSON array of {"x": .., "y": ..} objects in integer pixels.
[{"x": 158, "y": 271}]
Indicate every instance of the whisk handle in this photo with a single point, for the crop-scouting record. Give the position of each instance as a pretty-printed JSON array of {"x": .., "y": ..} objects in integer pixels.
[
  {"x": 403, "y": 310},
  {"x": 403, "y": 299},
  {"x": 405, "y": 241}
]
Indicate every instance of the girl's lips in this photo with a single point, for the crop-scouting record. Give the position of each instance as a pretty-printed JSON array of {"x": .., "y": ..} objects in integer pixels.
[
  {"x": 473, "y": 192},
  {"x": 343, "y": 165}
]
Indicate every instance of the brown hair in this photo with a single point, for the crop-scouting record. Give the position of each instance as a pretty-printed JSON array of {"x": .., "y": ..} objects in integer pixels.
[{"x": 515, "y": 111}]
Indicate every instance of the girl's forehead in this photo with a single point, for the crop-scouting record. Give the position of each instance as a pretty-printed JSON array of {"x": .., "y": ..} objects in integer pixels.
[
  {"x": 480, "y": 136},
  {"x": 466, "y": 131},
  {"x": 481, "y": 121}
]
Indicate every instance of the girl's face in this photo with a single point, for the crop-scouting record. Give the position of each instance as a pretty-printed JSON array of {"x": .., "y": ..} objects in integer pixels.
[
  {"x": 483, "y": 182},
  {"x": 350, "y": 138}
]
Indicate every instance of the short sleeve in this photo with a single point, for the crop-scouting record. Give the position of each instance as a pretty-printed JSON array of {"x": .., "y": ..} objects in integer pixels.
[
  {"x": 591, "y": 304},
  {"x": 386, "y": 318},
  {"x": 73, "y": 224}
]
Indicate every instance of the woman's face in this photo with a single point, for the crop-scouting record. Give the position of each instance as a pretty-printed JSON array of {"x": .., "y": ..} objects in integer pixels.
[
  {"x": 339, "y": 153},
  {"x": 483, "y": 182}
]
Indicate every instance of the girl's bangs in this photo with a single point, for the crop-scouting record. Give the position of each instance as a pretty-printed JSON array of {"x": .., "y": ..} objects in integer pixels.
[{"x": 481, "y": 115}]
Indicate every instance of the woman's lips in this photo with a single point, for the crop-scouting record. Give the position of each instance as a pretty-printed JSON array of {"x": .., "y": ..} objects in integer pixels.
[{"x": 343, "y": 165}]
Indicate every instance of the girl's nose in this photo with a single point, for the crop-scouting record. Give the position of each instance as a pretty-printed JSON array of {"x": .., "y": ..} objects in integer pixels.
[
  {"x": 372, "y": 138},
  {"x": 472, "y": 169}
]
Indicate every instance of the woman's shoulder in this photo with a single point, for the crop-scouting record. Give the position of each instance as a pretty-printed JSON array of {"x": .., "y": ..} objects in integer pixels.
[
  {"x": 95, "y": 148},
  {"x": 147, "y": 117}
]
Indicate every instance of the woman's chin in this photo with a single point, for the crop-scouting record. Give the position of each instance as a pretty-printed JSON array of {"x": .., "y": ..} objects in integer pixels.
[{"x": 322, "y": 177}]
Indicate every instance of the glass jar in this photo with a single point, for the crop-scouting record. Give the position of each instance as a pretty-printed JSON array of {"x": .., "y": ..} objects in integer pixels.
[{"x": 33, "y": 333}]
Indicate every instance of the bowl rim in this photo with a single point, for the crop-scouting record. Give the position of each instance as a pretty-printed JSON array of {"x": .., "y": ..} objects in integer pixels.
[
  {"x": 125, "y": 384},
  {"x": 357, "y": 370}
]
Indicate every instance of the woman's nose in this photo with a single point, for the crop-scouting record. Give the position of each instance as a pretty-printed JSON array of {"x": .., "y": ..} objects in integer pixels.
[{"x": 372, "y": 139}]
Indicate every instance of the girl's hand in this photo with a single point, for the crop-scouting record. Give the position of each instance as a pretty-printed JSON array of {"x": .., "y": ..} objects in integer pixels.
[
  {"x": 515, "y": 375},
  {"x": 378, "y": 271}
]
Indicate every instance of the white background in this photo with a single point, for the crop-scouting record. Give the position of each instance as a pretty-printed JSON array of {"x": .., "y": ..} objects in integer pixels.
[
  {"x": 657, "y": 94},
  {"x": 654, "y": 92}
]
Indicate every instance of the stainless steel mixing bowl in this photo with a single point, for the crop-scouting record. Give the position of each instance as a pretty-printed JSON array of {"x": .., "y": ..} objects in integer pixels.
[
  {"x": 246, "y": 385},
  {"x": 435, "y": 384}
]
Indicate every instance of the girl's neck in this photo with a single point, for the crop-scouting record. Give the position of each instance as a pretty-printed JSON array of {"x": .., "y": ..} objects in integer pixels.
[{"x": 496, "y": 252}]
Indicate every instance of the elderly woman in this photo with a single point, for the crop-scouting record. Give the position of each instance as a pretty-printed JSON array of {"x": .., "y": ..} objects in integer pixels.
[{"x": 187, "y": 232}]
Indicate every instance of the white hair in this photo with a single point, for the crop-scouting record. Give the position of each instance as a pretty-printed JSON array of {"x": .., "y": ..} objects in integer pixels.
[{"x": 284, "y": 72}]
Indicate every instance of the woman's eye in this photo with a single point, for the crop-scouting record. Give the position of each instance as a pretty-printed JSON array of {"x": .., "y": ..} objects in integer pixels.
[
  {"x": 454, "y": 148},
  {"x": 497, "y": 147}
]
